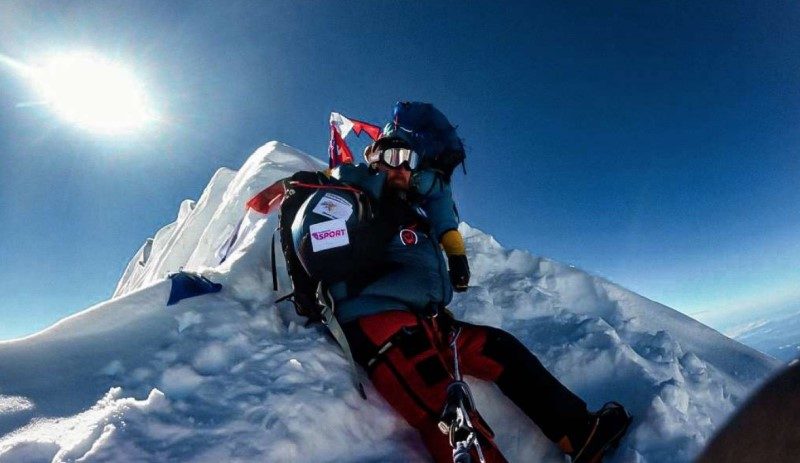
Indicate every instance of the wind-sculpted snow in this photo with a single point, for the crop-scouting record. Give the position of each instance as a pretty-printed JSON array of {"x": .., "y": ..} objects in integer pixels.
[
  {"x": 679, "y": 378},
  {"x": 233, "y": 377},
  {"x": 201, "y": 228}
]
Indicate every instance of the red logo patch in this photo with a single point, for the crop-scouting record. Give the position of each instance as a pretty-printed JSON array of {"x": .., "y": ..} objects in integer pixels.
[{"x": 408, "y": 237}]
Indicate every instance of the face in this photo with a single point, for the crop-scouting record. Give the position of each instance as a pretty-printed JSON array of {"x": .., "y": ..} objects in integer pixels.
[{"x": 398, "y": 178}]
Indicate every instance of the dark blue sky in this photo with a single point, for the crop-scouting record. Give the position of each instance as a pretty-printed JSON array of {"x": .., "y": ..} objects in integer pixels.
[{"x": 653, "y": 143}]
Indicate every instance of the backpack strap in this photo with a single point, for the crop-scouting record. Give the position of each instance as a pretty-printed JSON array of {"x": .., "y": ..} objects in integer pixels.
[
  {"x": 272, "y": 257},
  {"x": 330, "y": 321}
]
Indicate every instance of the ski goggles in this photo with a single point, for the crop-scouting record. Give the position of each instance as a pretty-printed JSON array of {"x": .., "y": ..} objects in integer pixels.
[{"x": 394, "y": 157}]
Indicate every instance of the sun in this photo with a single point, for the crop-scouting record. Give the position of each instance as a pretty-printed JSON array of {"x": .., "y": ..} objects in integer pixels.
[{"x": 94, "y": 93}]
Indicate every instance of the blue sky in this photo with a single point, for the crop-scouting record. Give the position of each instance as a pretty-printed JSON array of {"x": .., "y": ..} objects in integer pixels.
[{"x": 652, "y": 143}]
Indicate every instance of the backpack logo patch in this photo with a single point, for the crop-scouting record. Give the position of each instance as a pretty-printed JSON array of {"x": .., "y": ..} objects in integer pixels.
[
  {"x": 333, "y": 207},
  {"x": 328, "y": 235},
  {"x": 408, "y": 237}
]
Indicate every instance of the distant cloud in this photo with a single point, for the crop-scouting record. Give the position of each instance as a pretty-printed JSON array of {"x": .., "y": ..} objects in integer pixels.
[{"x": 737, "y": 313}]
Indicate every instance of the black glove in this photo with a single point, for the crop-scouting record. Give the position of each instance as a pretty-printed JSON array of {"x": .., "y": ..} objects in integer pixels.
[{"x": 459, "y": 272}]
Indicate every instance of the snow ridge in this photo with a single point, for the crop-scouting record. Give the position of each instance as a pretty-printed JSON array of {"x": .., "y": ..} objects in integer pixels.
[{"x": 233, "y": 377}]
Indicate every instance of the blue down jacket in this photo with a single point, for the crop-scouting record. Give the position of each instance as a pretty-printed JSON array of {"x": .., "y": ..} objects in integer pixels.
[{"x": 412, "y": 271}]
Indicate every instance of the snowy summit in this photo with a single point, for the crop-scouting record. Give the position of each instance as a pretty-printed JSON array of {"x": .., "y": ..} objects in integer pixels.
[{"x": 230, "y": 376}]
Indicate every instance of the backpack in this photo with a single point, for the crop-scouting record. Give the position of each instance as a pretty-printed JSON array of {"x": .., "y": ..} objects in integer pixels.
[
  {"x": 326, "y": 237},
  {"x": 432, "y": 136}
]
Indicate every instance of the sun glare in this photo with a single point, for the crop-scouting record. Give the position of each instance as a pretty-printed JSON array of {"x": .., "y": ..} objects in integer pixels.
[{"x": 94, "y": 93}]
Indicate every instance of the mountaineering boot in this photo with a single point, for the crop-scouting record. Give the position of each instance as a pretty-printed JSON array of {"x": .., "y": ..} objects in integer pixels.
[{"x": 607, "y": 426}]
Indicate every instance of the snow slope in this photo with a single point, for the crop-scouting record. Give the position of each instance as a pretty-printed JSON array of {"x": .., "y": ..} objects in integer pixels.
[{"x": 232, "y": 377}]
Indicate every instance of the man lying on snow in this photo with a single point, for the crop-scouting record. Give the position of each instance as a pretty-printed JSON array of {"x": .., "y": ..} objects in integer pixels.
[{"x": 366, "y": 242}]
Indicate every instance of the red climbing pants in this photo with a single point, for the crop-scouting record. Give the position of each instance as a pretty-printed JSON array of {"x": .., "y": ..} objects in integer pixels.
[{"x": 410, "y": 363}]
